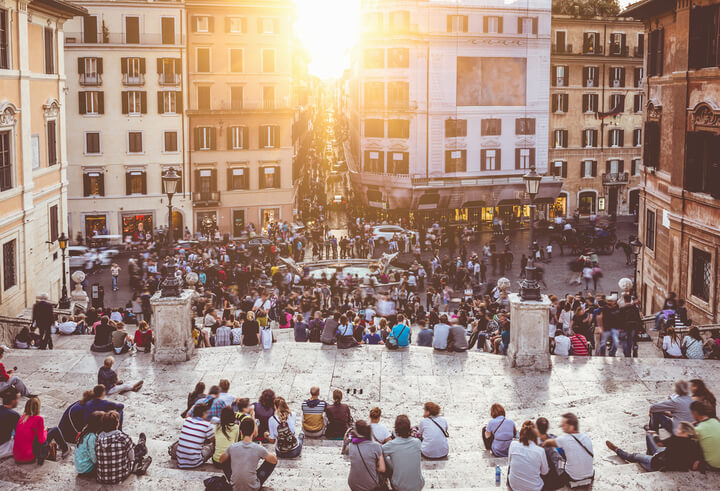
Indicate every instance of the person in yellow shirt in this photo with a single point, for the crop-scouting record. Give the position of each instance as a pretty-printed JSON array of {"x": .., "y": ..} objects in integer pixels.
[{"x": 226, "y": 433}]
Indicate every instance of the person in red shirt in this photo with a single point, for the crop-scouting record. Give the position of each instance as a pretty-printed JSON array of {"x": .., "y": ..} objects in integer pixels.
[
  {"x": 32, "y": 439},
  {"x": 7, "y": 379},
  {"x": 144, "y": 336},
  {"x": 579, "y": 344}
]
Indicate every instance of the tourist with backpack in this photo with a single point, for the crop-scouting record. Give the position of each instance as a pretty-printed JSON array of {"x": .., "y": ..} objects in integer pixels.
[{"x": 281, "y": 431}]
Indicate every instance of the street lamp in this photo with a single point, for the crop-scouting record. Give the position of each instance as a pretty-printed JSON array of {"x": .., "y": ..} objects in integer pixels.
[
  {"x": 636, "y": 247},
  {"x": 529, "y": 287},
  {"x": 64, "y": 300},
  {"x": 172, "y": 284}
]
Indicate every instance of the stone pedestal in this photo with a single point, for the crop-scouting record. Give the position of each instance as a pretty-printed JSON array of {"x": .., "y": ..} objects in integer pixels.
[
  {"x": 172, "y": 318},
  {"x": 529, "y": 333}
]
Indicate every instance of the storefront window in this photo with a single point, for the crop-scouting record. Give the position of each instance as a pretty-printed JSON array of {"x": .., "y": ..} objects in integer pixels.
[
  {"x": 586, "y": 202},
  {"x": 487, "y": 213},
  {"x": 461, "y": 215},
  {"x": 559, "y": 207},
  {"x": 137, "y": 225},
  {"x": 270, "y": 215},
  {"x": 521, "y": 211},
  {"x": 95, "y": 223}
]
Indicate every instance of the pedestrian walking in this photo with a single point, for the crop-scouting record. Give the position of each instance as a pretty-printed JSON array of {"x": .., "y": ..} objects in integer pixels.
[{"x": 42, "y": 318}]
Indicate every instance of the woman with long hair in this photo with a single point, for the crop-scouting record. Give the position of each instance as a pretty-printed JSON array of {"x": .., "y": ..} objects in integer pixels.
[
  {"x": 85, "y": 456},
  {"x": 226, "y": 433},
  {"x": 700, "y": 392},
  {"x": 193, "y": 397},
  {"x": 671, "y": 344},
  {"x": 692, "y": 345},
  {"x": 281, "y": 431},
  {"x": 338, "y": 416},
  {"x": 526, "y": 461},
  {"x": 32, "y": 439},
  {"x": 264, "y": 409}
]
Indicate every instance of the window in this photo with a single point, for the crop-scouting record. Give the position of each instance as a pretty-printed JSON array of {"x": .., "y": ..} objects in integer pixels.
[
  {"x": 203, "y": 97},
  {"x": 133, "y": 70},
  {"x": 702, "y": 163},
  {"x": 91, "y": 102},
  {"x": 702, "y": 274},
  {"x": 167, "y": 27},
  {"x": 560, "y": 37},
  {"x": 236, "y": 98},
  {"x": 559, "y": 169},
  {"x": 93, "y": 184},
  {"x": 268, "y": 60},
  {"x": 491, "y": 127},
  {"x": 490, "y": 159},
  {"x": 398, "y": 163},
  {"x": 400, "y": 21},
  {"x": 560, "y": 76},
  {"x": 52, "y": 142},
  {"x": 374, "y": 58},
  {"x": 615, "y": 166},
  {"x": 457, "y": 23},
  {"x": 236, "y": 60},
  {"x": 135, "y": 142},
  {"x": 591, "y": 76},
  {"x": 525, "y": 126},
  {"x": 6, "y": 175},
  {"x": 590, "y": 103},
  {"x": 4, "y": 31},
  {"x": 635, "y": 167},
  {"x": 238, "y": 178},
  {"x": 268, "y": 98},
  {"x": 54, "y": 223},
  {"x": 617, "y": 76},
  {"x": 591, "y": 43},
  {"x": 704, "y": 36},
  {"x": 560, "y": 139},
  {"x": 204, "y": 138},
  {"x": 527, "y": 25},
  {"x": 9, "y": 265},
  {"x": 650, "y": 229},
  {"x": 655, "y": 52},
  {"x": 132, "y": 29},
  {"x": 617, "y": 102},
  {"x": 524, "y": 158},
  {"x": 651, "y": 144},
  {"x": 238, "y": 138},
  {"x": 492, "y": 24},
  {"x": 90, "y": 29},
  {"x": 398, "y": 58},
  {"x": 455, "y": 128},
  {"x": 399, "y": 94},
  {"x": 398, "y": 128},
  {"x": 374, "y": 128},
  {"x": 169, "y": 102},
  {"x": 135, "y": 183},
  {"x": 236, "y": 25},
  {"x": 90, "y": 71},
  {"x": 374, "y": 94},
  {"x": 638, "y": 103},
  {"x": 92, "y": 143},
  {"x": 169, "y": 70},
  {"x": 49, "y": 39},
  {"x": 374, "y": 162},
  {"x": 269, "y": 136},
  {"x": 618, "y": 44},
  {"x": 455, "y": 160},
  {"x": 205, "y": 183},
  {"x": 587, "y": 201},
  {"x": 134, "y": 102},
  {"x": 269, "y": 26},
  {"x": 638, "y": 76},
  {"x": 616, "y": 138},
  {"x": 560, "y": 103},
  {"x": 203, "y": 60},
  {"x": 373, "y": 21},
  {"x": 588, "y": 168},
  {"x": 589, "y": 138},
  {"x": 270, "y": 177},
  {"x": 170, "y": 141},
  {"x": 202, "y": 23},
  {"x": 637, "y": 137}
]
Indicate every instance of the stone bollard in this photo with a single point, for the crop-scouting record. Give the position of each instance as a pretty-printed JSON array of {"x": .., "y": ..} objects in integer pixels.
[
  {"x": 529, "y": 333},
  {"x": 172, "y": 318}
]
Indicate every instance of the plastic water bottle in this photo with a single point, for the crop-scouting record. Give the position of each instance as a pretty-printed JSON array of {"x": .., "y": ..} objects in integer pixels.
[{"x": 497, "y": 475}]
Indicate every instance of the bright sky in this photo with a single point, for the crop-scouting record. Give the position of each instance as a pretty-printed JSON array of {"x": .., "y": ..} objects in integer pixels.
[{"x": 328, "y": 30}]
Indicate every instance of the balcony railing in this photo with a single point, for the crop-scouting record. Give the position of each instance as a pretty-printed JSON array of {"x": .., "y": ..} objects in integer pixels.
[
  {"x": 615, "y": 178},
  {"x": 203, "y": 199},
  {"x": 169, "y": 79},
  {"x": 560, "y": 49},
  {"x": 593, "y": 50},
  {"x": 638, "y": 53},
  {"x": 138, "y": 79},
  {"x": 90, "y": 79},
  {"x": 619, "y": 50},
  {"x": 121, "y": 38}
]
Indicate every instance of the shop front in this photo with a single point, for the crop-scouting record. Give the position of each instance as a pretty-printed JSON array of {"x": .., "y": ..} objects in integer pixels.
[
  {"x": 136, "y": 225},
  {"x": 95, "y": 225}
]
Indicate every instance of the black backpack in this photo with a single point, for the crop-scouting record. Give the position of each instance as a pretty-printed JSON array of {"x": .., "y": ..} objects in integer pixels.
[
  {"x": 286, "y": 441},
  {"x": 316, "y": 329}
]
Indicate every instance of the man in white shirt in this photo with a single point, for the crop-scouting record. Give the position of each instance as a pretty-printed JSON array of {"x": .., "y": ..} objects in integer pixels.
[
  {"x": 562, "y": 343},
  {"x": 68, "y": 326},
  {"x": 578, "y": 450},
  {"x": 369, "y": 314},
  {"x": 440, "y": 333}
]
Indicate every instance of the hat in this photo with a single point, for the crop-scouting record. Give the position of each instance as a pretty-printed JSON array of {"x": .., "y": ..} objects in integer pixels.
[{"x": 612, "y": 298}]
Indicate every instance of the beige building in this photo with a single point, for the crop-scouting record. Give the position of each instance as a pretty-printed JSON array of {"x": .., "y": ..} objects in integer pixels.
[
  {"x": 596, "y": 70},
  {"x": 126, "y": 64},
  {"x": 33, "y": 156},
  {"x": 240, "y": 111}
]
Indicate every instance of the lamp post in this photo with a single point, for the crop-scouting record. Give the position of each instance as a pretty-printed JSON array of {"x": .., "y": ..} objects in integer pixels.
[
  {"x": 636, "y": 247},
  {"x": 172, "y": 284},
  {"x": 64, "y": 300},
  {"x": 529, "y": 287}
]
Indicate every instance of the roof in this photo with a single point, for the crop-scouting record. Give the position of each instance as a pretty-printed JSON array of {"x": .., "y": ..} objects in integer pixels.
[
  {"x": 62, "y": 7},
  {"x": 647, "y": 8}
]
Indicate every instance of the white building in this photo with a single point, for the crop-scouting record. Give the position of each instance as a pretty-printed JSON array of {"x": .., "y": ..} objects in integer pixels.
[
  {"x": 449, "y": 104},
  {"x": 125, "y": 64}
]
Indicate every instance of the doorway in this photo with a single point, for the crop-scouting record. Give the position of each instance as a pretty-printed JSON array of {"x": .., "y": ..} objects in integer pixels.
[
  {"x": 269, "y": 215},
  {"x": 586, "y": 202},
  {"x": 612, "y": 200},
  {"x": 238, "y": 222},
  {"x": 634, "y": 201},
  {"x": 177, "y": 222}
]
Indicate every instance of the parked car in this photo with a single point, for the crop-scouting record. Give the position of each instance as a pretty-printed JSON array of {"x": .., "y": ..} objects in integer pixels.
[
  {"x": 106, "y": 255},
  {"x": 384, "y": 233},
  {"x": 186, "y": 244},
  {"x": 82, "y": 257}
]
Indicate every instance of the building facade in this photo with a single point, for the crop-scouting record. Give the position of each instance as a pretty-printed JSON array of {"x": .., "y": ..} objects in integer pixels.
[
  {"x": 596, "y": 104},
  {"x": 445, "y": 110},
  {"x": 680, "y": 199},
  {"x": 33, "y": 155},
  {"x": 126, "y": 78},
  {"x": 241, "y": 110}
]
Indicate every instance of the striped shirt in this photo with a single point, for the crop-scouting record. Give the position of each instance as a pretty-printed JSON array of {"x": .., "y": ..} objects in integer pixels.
[
  {"x": 194, "y": 433},
  {"x": 579, "y": 345}
]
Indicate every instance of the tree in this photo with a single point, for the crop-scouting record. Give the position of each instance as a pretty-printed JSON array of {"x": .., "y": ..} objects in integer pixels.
[{"x": 586, "y": 8}]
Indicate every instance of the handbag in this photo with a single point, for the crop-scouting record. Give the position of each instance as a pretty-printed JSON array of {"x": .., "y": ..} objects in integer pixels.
[
  {"x": 492, "y": 433},
  {"x": 391, "y": 342},
  {"x": 382, "y": 484}
]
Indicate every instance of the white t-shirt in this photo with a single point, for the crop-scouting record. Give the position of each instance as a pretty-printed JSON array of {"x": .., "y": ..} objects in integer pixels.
[
  {"x": 579, "y": 463},
  {"x": 67, "y": 327},
  {"x": 562, "y": 345},
  {"x": 526, "y": 464},
  {"x": 273, "y": 423},
  {"x": 379, "y": 432},
  {"x": 434, "y": 443}
]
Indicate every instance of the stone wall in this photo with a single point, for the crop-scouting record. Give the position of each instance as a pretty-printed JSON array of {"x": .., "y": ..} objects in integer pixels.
[{"x": 10, "y": 327}]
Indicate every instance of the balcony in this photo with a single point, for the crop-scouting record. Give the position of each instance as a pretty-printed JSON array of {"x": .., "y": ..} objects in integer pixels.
[
  {"x": 615, "y": 178},
  {"x": 638, "y": 52},
  {"x": 120, "y": 38},
  {"x": 169, "y": 79},
  {"x": 619, "y": 50},
  {"x": 204, "y": 199},
  {"x": 90, "y": 79},
  {"x": 138, "y": 79},
  {"x": 562, "y": 49},
  {"x": 593, "y": 50}
]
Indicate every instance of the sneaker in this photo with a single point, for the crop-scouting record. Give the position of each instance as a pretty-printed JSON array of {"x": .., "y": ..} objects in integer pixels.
[
  {"x": 143, "y": 467},
  {"x": 137, "y": 386}
]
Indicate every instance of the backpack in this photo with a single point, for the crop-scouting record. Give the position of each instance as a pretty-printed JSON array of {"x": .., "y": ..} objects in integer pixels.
[
  {"x": 286, "y": 441},
  {"x": 316, "y": 330}
]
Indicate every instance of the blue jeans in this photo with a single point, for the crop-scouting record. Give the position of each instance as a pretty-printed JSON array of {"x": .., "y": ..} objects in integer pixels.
[
  {"x": 606, "y": 335},
  {"x": 659, "y": 319},
  {"x": 295, "y": 452},
  {"x": 659, "y": 420},
  {"x": 114, "y": 282},
  {"x": 643, "y": 459},
  {"x": 628, "y": 343}
]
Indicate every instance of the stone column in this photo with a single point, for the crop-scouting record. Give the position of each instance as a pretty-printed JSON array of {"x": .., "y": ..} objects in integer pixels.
[
  {"x": 172, "y": 327},
  {"x": 529, "y": 333}
]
